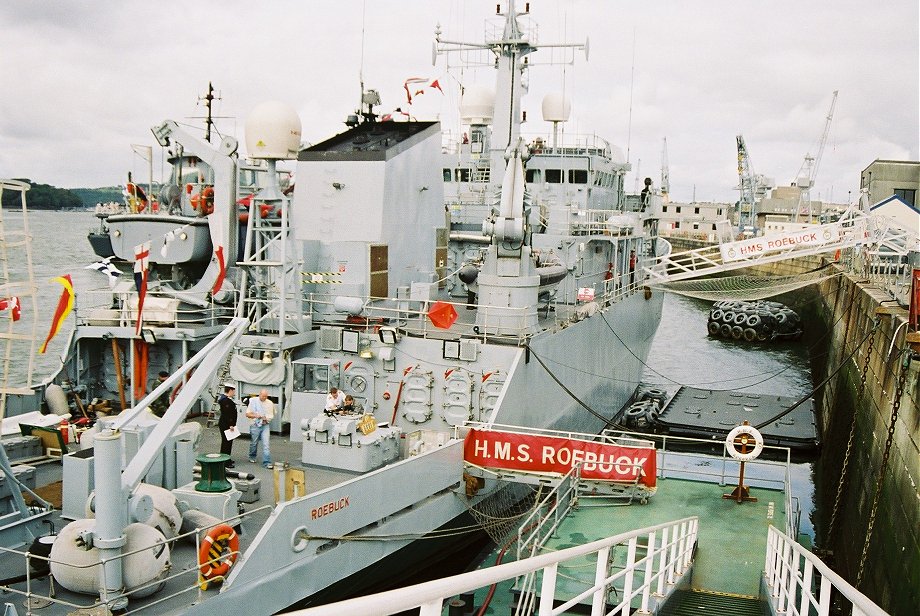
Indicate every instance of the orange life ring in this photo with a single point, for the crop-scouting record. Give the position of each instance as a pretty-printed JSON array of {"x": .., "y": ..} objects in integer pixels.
[{"x": 213, "y": 556}]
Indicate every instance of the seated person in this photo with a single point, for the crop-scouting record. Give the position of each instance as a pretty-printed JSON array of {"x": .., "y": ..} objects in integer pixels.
[
  {"x": 350, "y": 406},
  {"x": 334, "y": 401}
]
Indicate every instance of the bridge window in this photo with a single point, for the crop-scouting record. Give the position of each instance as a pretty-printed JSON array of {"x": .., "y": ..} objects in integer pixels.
[
  {"x": 534, "y": 176},
  {"x": 447, "y": 175},
  {"x": 554, "y": 176},
  {"x": 578, "y": 176}
]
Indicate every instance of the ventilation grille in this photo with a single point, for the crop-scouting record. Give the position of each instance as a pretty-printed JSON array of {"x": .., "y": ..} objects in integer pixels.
[{"x": 330, "y": 338}]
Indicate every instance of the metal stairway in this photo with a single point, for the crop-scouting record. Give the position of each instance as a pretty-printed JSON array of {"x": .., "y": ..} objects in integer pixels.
[{"x": 699, "y": 602}]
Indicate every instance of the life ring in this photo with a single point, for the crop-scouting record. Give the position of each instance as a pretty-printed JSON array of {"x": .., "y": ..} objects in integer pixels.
[
  {"x": 211, "y": 556},
  {"x": 742, "y": 436},
  {"x": 203, "y": 201}
]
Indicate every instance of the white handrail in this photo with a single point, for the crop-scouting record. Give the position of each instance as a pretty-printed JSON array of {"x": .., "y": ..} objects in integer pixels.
[
  {"x": 674, "y": 558},
  {"x": 790, "y": 571}
]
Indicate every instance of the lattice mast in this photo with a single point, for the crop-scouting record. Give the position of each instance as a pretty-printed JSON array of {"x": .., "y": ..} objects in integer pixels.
[
  {"x": 805, "y": 178},
  {"x": 747, "y": 186}
]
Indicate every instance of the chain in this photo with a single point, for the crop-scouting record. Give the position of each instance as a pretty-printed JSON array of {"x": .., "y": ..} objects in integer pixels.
[
  {"x": 852, "y": 438},
  {"x": 895, "y": 407}
]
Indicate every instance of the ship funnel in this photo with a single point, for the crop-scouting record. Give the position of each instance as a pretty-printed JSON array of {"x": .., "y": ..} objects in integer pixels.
[
  {"x": 556, "y": 107},
  {"x": 477, "y": 105},
  {"x": 273, "y": 131}
]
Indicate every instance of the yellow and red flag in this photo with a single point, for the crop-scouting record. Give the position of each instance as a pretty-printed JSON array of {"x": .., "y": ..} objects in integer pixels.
[{"x": 65, "y": 305}]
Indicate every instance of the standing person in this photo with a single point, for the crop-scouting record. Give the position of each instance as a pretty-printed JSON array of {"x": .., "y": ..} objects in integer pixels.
[
  {"x": 227, "y": 420},
  {"x": 632, "y": 268},
  {"x": 261, "y": 410},
  {"x": 334, "y": 400},
  {"x": 159, "y": 406}
]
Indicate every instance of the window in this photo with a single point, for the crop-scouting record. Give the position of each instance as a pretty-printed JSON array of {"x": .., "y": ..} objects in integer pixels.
[
  {"x": 719, "y": 212},
  {"x": 554, "y": 176},
  {"x": 463, "y": 175},
  {"x": 664, "y": 208},
  {"x": 447, "y": 175},
  {"x": 534, "y": 176},
  {"x": 696, "y": 210},
  {"x": 907, "y": 195},
  {"x": 578, "y": 176},
  {"x": 678, "y": 209},
  {"x": 677, "y": 225},
  {"x": 713, "y": 227}
]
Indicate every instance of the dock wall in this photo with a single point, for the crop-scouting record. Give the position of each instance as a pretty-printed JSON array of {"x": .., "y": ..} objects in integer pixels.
[{"x": 849, "y": 309}]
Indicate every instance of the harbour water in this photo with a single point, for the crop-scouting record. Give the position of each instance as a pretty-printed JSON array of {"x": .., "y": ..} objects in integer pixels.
[{"x": 682, "y": 353}]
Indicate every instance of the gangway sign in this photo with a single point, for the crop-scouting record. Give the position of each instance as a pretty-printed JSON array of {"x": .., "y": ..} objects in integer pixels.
[
  {"x": 745, "y": 249},
  {"x": 534, "y": 453}
]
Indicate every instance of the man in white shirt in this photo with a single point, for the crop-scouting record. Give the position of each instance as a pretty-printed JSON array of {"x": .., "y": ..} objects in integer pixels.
[
  {"x": 261, "y": 410},
  {"x": 335, "y": 400}
]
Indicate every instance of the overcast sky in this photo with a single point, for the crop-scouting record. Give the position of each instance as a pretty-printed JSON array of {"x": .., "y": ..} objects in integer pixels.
[{"x": 82, "y": 81}]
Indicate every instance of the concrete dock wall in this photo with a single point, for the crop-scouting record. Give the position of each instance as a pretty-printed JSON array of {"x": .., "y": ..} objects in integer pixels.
[{"x": 849, "y": 309}]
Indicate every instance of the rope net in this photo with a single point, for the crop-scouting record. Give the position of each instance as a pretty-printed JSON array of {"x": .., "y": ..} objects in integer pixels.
[
  {"x": 743, "y": 287},
  {"x": 500, "y": 513}
]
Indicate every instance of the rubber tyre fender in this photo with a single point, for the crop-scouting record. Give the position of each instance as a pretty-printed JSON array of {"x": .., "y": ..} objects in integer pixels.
[
  {"x": 753, "y": 320},
  {"x": 740, "y": 318},
  {"x": 725, "y": 330},
  {"x": 750, "y": 334},
  {"x": 728, "y": 317},
  {"x": 716, "y": 315},
  {"x": 713, "y": 328},
  {"x": 780, "y": 318},
  {"x": 737, "y": 332}
]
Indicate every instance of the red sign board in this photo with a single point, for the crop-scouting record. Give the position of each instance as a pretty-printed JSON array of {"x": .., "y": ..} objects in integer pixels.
[{"x": 551, "y": 454}]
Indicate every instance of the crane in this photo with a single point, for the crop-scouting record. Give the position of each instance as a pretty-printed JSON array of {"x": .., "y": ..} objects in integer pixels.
[
  {"x": 805, "y": 178},
  {"x": 665, "y": 173},
  {"x": 747, "y": 186}
]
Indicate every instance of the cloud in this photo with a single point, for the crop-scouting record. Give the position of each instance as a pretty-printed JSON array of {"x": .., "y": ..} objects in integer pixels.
[{"x": 83, "y": 81}]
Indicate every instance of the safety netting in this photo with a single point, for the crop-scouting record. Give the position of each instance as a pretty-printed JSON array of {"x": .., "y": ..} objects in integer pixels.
[
  {"x": 500, "y": 513},
  {"x": 748, "y": 288}
]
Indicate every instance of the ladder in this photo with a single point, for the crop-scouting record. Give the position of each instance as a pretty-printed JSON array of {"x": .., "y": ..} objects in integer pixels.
[
  {"x": 213, "y": 412},
  {"x": 17, "y": 290}
]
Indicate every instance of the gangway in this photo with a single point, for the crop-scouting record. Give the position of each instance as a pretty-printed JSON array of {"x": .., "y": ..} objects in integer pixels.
[{"x": 855, "y": 227}]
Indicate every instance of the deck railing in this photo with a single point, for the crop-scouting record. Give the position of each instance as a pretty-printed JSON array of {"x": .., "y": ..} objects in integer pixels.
[
  {"x": 798, "y": 582},
  {"x": 651, "y": 568}
]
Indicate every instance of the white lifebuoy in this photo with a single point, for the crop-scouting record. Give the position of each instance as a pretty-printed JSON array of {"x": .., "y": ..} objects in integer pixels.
[{"x": 744, "y": 434}]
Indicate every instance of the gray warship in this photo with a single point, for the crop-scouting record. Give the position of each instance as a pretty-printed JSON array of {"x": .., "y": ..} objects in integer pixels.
[{"x": 494, "y": 278}]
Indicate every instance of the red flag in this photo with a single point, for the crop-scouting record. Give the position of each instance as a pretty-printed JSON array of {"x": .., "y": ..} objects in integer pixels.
[
  {"x": 219, "y": 253},
  {"x": 65, "y": 305},
  {"x": 435, "y": 84},
  {"x": 12, "y": 304},
  {"x": 141, "y": 260},
  {"x": 412, "y": 80}
]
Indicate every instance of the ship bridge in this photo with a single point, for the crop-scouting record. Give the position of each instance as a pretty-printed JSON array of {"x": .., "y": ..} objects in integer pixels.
[{"x": 681, "y": 272}]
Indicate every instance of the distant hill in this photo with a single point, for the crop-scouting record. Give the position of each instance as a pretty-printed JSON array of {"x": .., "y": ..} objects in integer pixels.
[
  {"x": 91, "y": 196},
  {"x": 44, "y": 197}
]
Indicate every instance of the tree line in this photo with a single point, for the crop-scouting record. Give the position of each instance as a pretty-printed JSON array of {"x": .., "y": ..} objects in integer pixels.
[{"x": 47, "y": 197}]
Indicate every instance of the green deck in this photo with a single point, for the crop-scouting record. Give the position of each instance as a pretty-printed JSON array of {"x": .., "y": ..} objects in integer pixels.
[{"x": 731, "y": 543}]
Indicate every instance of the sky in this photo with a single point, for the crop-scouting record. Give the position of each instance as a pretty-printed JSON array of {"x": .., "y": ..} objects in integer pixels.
[{"x": 83, "y": 81}]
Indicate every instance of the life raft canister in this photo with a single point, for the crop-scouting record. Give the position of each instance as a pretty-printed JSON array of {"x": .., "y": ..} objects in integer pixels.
[{"x": 218, "y": 551}]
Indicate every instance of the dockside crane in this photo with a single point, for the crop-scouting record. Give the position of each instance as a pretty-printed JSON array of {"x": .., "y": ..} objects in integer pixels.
[
  {"x": 805, "y": 178},
  {"x": 747, "y": 187}
]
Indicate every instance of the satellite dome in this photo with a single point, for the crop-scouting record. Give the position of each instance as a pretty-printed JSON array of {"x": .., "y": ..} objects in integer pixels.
[
  {"x": 477, "y": 105},
  {"x": 556, "y": 107},
  {"x": 273, "y": 131}
]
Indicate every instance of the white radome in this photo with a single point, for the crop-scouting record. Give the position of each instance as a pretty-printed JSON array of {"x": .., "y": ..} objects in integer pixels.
[
  {"x": 477, "y": 105},
  {"x": 556, "y": 107},
  {"x": 273, "y": 131}
]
